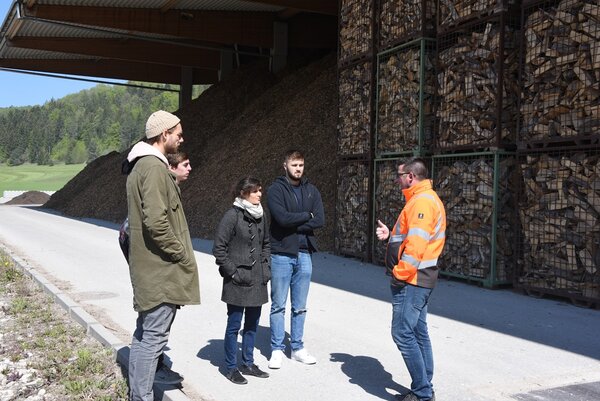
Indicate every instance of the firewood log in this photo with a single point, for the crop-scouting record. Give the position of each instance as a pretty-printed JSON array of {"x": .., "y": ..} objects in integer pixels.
[
  {"x": 356, "y": 28},
  {"x": 388, "y": 201},
  {"x": 453, "y": 12},
  {"x": 466, "y": 187},
  {"x": 399, "y": 110},
  {"x": 470, "y": 89},
  {"x": 561, "y": 73},
  {"x": 352, "y": 209},
  {"x": 354, "y": 130},
  {"x": 560, "y": 218},
  {"x": 405, "y": 19}
]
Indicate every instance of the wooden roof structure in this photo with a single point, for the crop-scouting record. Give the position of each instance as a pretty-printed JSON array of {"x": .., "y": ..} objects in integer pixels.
[{"x": 182, "y": 42}]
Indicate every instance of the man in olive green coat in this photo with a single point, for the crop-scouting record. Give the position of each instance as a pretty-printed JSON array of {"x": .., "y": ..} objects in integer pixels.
[{"x": 162, "y": 265}]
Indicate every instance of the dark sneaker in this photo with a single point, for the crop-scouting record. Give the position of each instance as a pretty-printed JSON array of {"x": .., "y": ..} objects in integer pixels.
[
  {"x": 164, "y": 375},
  {"x": 412, "y": 397},
  {"x": 253, "y": 370},
  {"x": 236, "y": 377}
]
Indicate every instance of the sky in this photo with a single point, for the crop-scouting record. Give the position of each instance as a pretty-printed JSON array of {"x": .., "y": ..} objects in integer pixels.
[{"x": 27, "y": 90}]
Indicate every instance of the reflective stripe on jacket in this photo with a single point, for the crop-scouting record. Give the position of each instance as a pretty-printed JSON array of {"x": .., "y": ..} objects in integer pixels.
[{"x": 418, "y": 237}]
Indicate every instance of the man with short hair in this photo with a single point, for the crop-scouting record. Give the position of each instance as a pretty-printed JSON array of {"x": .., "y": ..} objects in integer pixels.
[
  {"x": 414, "y": 246},
  {"x": 162, "y": 265},
  {"x": 179, "y": 164},
  {"x": 296, "y": 211}
]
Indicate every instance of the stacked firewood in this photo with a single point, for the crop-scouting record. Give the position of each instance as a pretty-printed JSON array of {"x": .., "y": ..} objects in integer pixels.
[
  {"x": 356, "y": 28},
  {"x": 470, "y": 89},
  {"x": 352, "y": 209},
  {"x": 389, "y": 201},
  {"x": 399, "y": 111},
  {"x": 405, "y": 19},
  {"x": 561, "y": 85},
  {"x": 560, "y": 216},
  {"x": 466, "y": 187},
  {"x": 452, "y": 12},
  {"x": 354, "y": 109}
]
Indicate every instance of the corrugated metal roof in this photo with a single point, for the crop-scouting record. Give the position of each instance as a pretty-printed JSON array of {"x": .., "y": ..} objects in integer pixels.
[
  {"x": 227, "y": 5},
  {"x": 31, "y": 28},
  {"x": 41, "y": 29},
  {"x": 20, "y": 53}
]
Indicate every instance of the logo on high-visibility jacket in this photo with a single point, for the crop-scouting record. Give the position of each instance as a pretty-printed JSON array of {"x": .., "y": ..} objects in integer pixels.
[{"x": 421, "y": 215}]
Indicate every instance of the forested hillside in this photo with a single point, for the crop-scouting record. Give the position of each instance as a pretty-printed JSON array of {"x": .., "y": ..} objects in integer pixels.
[{"x": 79, "y": 127}]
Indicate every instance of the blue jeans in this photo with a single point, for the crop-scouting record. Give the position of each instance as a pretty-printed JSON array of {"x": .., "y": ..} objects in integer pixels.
[
  {"x": 409, "y": 331},
  {"x": 289, "y": 273},
  {"x": 149, "y": 339},
  {"x": 234, "y": 322}
]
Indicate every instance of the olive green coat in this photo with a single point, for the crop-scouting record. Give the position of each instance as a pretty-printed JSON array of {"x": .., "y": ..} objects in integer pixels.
[{"x": 162, "y": 265}]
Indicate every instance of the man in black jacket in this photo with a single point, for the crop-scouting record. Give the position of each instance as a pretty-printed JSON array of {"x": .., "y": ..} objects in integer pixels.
[{"x": 296, "y": 210}]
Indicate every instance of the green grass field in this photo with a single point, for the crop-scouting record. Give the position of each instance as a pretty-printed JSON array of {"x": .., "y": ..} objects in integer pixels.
[{"x": 31, "y": 177}]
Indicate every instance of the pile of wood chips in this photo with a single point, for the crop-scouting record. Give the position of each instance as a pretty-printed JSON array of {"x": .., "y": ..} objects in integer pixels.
[{"x": 241, "y": 126}]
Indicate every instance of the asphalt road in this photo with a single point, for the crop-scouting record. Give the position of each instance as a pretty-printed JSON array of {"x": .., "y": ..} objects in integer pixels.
[{"x": 489, "y": 345}]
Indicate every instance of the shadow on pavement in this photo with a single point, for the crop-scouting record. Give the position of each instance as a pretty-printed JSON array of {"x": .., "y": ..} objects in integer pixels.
[
  {"x": 370, "y": 375},
  {"x": 545, "y": 321}
]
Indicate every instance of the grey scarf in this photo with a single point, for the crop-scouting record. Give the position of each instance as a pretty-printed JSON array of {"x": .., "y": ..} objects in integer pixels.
[{"x": 255, "y": 211}]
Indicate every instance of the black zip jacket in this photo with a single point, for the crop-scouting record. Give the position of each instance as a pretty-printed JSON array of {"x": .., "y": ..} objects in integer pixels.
[{"x": 287, "y": 221}]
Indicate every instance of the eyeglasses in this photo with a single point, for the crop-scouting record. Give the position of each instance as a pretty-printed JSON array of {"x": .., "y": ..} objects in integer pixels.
[{"x": 401, "y": 174}]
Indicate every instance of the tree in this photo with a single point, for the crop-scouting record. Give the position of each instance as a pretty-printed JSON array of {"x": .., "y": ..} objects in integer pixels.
[{"x": 78, "y": 153}]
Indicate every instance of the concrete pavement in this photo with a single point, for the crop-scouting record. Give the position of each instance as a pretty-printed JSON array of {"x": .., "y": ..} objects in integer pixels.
[{"x": 488, "y": 345}]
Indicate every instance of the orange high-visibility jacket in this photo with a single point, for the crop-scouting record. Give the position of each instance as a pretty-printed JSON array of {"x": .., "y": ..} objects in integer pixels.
[{"x": 418, "y": 237}]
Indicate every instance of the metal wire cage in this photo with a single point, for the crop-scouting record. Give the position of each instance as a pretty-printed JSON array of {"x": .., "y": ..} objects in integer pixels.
[
  {"x": 478, "y": 90},
  {"x": 405, "y": 98},
  {"x": 453, "y": 13},
  {"x": 402, "y": 21},
  {"x": 355, "y": 109},
  {"x": 355, "y": 30},
  {"x": 559, "y": 211},
  {"x": 560, "y": 67},
  {"x": 352, "y": 209},
  {"x": 477, "y": 190}
]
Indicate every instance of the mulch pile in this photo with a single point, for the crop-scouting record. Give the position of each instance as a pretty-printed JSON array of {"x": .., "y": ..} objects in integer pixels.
[
  {"x": 29, "y": 198},
  {"x": 241, "y": 126}
]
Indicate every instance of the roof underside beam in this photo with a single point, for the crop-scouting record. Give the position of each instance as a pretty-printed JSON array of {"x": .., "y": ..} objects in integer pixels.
[
  {"x": 244, "y": 28},
  {"x": 328, "y": 7},
  {"x": 208, "y": 27},
  {"x": 124, "y": 49},
  {"x": 112, "y": 69}
]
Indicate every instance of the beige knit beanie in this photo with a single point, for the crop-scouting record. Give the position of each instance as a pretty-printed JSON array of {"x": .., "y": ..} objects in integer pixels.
[{"x": 160, "y": 121}]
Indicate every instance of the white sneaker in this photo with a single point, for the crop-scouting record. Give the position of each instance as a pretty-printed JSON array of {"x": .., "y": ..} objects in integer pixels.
[
  {"x": 303, "y": 356},
  {"x": 276, "y": 359}
]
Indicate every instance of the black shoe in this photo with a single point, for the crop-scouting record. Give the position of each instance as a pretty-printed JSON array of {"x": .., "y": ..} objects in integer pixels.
[
  {"x": 235, "y": 376},
  {"x": 253, "y": 370},
  {"x": 412, "y": 397}
]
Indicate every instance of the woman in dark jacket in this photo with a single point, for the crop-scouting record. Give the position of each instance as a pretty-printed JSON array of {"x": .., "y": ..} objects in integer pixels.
[{"x": 242, "y": 252}]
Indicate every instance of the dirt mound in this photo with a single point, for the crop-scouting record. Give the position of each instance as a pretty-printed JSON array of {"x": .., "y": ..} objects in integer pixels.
[
  {"x": 29, "y": 198},
  {"x": 238, "y": 127}
]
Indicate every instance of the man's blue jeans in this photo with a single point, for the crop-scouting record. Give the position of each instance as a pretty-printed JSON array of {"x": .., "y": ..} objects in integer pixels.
[
  {"x": 149, "y": 339},
  {"x": 409, "y": 331},
  {"x": 289, "y": 273},
  {"x": 234, "y": 322}
]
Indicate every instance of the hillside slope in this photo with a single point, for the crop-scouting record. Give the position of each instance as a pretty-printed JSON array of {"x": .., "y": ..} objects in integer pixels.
[{"x": 241, "y": 126}]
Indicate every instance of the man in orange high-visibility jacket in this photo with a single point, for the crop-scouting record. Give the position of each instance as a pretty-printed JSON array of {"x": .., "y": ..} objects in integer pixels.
[{"x": 413, "y": 249}]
